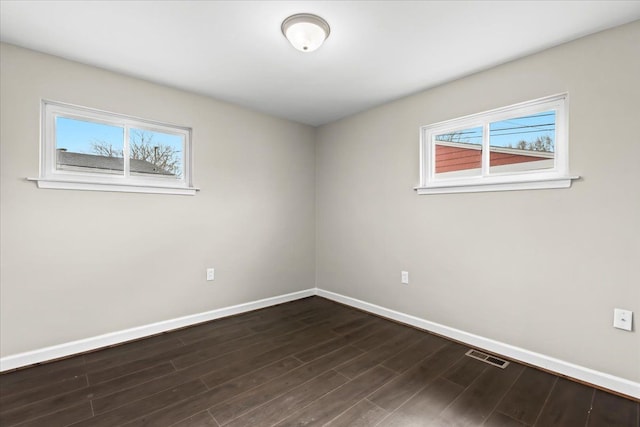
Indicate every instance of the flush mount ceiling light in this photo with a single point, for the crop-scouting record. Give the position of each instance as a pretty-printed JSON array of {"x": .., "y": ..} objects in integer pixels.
[{"x": 305, "y": 32}]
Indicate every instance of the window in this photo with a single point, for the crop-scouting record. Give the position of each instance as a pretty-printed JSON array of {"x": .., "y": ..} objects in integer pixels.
[
  {"x": 88, "y": 149},
  {"x": 523, "y": 146}
]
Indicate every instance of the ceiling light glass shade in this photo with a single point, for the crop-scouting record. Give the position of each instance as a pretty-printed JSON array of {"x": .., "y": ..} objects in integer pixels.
[{"x": 305, "y": 32}]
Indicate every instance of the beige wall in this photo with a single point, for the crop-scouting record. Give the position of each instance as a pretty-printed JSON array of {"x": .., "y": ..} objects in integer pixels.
[
  {"x": 76, "y": 264},
  {"x": 540, "y": 269}
]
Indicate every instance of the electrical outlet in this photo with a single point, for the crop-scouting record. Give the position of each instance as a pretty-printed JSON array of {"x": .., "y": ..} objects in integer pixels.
[
  {"x": 211, "y": 274},
  {"x": 404, "y": 277},
  {"x": 622, "y": 319}
]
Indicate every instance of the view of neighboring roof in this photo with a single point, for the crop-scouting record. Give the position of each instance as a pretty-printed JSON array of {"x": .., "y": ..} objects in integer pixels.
[
  {"x": 497, "y": 149},
  {"x": 93, "y": 161}
]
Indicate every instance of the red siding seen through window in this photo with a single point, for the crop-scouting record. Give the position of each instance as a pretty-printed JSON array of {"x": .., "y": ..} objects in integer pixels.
[{"x": 450, "y": 159}]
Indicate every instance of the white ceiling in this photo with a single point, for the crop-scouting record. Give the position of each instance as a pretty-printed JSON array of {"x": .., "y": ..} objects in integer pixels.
[{"x": 233, "y": 50}]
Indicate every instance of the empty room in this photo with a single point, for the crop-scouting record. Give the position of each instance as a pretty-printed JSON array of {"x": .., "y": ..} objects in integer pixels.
[{"x": 319, "y": 213}]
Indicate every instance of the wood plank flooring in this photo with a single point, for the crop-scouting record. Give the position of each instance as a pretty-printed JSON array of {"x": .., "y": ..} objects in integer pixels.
[{"x": 310, "y": 362}]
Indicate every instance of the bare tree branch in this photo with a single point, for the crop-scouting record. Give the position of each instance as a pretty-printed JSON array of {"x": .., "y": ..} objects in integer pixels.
[{"x": 142, "y": 147}]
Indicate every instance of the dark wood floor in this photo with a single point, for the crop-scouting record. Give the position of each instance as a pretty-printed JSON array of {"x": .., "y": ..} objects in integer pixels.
[{"x": 310, "y": 362}]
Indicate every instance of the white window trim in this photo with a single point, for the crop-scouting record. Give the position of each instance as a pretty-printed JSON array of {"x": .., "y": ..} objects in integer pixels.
[
  {"x": 558, "y": 177},
  {"x": 50, "y": 177}
]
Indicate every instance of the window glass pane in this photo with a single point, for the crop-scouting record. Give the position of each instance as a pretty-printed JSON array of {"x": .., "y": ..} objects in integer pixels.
[
  {"x": 459, "y": 153},
  {"x": 87, "y": 146},
  {"x": 156, "y": 154},
  {"x": 523, "y": 143}
]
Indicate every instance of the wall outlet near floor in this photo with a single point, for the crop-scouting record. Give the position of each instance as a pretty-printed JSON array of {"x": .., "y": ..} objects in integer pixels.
[
  {"x": 404, "y": 277},
  {"x": 622, "y": 319},
  {"x": 211, "y": 273}
]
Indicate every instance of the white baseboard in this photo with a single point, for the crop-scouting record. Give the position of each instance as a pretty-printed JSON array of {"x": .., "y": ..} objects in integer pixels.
[
  {"x": 600, "y": 379},
  {"x": 93, "y": 343}
]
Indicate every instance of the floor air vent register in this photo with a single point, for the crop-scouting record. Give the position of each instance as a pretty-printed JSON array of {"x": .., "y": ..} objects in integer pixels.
[{"x": 487, "y": 358}]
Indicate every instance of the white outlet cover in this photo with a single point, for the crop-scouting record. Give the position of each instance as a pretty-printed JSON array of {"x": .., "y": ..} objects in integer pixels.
[
  {"x": 404, "y": 277},
  {"x": 210, "y": 273},
  {"x": 622, "y": 319}
]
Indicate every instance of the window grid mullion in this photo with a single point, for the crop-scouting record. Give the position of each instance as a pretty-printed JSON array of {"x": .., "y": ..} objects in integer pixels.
[
  {"x": 486, "y": 149},
  {"x": 125, "y": 152},
  {"x": 432, "y": 163}
]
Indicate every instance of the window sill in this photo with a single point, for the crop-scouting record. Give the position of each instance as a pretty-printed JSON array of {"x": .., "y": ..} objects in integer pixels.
[
  {"x": 60, "y": 184},
  {"x": 538, "y": 184}
]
